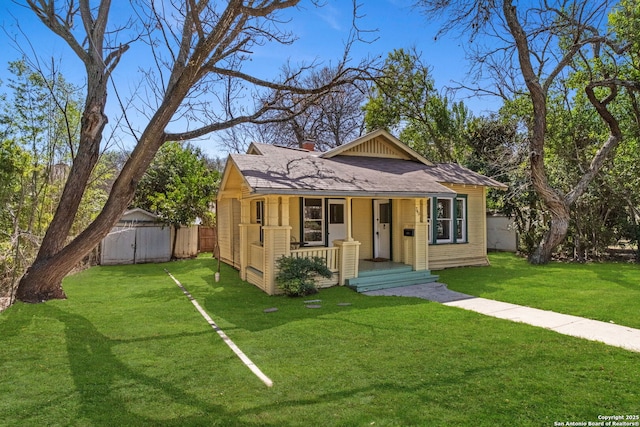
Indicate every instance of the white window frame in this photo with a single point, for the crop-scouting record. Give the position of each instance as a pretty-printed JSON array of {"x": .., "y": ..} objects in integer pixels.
[
  {"x": 321, "y": 221},
  {"x": 444, "y": 219}
]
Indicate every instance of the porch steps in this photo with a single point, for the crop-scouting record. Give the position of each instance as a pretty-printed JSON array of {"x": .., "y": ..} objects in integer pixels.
[{"x": 395, "y": 277}]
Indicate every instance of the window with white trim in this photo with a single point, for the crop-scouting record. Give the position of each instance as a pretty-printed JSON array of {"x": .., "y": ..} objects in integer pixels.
[
  {"x": 444, "y": 220},
  {"x": 450, "y": 220},
  {"x": 313, "y": 221}
]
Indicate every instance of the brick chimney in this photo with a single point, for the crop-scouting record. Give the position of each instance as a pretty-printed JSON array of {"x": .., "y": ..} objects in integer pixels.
[{"x": 309, "y": 145}]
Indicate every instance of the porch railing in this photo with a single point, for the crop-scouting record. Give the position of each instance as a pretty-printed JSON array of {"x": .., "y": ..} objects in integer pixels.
[
  {"x": 330, "y": 255},
  {"x": 256, "y": 256}
]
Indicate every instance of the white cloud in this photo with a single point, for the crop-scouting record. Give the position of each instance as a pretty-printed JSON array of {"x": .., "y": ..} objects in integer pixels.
[{"x": 330, "y": 15}]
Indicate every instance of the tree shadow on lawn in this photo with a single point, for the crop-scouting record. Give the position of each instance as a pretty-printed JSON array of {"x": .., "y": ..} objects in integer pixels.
[
  {"x": 488, "y": 280},
  {"x": 101, "y": 380},
  {"x": 243, "y": 304},
  {"x": 625, "y": 275}
]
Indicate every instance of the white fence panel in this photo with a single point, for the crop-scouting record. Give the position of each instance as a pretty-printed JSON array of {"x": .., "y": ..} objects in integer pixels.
[
  {"x": 153, "y": 244},
  {"x": 501, "y": 234}
]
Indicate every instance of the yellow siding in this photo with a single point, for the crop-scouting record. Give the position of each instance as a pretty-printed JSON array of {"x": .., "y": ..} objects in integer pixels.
[
  {"x": 256, "y": 257},
  {"x": 255, "y": 278},
  {"x": 403, "y": 217},
  {"x": 228, "y": 228},
  {"x": 322, "y": 282},
  {"x": 224, "y": 228},
  {"x": 282, "y": 214},
  {"x": 246, "y": 192},
  {"x": 253, "y": 215},
  {"x": 294, "y": 218},
  {"x": 276, "y": 244},
  {"x": 475, "y": 251},
  {"x": 349, "y": 257},
  {"x": 234, "y": 180},
  {"x": 421, "y": 250},
  {"x": 405, "y": 213},
  {"x": 233, "y": 183},
  {"x": 399, "y": 222},
  {"x": 363, "y": 226},
  {"x": 376, "y": 147}
]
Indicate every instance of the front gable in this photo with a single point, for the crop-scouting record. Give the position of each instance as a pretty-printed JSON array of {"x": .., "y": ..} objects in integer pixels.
[
  {"x": 233, "y": 181},
  {"x": 379, "y": 144}
]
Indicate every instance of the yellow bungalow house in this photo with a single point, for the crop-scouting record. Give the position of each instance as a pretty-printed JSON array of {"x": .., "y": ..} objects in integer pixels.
[{"x": 380, "y": 214}]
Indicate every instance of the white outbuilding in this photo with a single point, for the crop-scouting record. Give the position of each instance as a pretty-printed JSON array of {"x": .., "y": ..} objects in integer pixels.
[{"x": 138, "y": 237}]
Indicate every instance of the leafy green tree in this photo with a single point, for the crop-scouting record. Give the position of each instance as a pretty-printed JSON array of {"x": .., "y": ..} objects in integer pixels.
[
  {"x": 404, "y": 101},
  {"x": 42, "y": 116},
  {"x": 532, "y": 50},
  {"x": 39, "y": 122},
  {"x": 179, "y": 186},
  {"x": 195, "y": 77},
  {"x": 14, "y": 163}
]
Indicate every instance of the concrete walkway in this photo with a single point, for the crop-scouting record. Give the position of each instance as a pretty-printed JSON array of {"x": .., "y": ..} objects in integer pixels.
[{"x": 594, "y": 330}]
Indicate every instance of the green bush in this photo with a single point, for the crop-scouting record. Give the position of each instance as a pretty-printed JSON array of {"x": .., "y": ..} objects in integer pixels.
[{"x": 296, "y": 276}]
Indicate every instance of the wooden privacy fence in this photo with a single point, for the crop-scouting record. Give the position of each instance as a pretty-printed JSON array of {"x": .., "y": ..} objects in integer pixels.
[{"x": 206, "y": 238}]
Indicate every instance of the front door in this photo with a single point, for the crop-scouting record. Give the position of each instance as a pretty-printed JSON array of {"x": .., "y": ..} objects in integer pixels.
[
  {"x": 337, "y": 222},
  {"x": 382, "y": 228}
]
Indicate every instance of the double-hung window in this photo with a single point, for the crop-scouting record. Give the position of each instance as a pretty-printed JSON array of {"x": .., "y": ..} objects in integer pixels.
[
  {"x": 313, "y": 221},
  {"x": 444, "y": 220},
  {"x": 451, "y": 220},
  {"x": 461, "y": 220}
]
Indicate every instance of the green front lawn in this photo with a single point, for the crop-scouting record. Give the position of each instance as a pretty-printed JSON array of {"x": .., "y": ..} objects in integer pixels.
[
  {"x": 609, "y": 292},
  {"x": 128, "y": 348}
]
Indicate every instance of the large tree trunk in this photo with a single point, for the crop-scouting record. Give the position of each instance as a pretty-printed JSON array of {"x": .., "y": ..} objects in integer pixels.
[
  {"x": 554, "y": 236},
  {"x": 43, "y": 280},
  {"x": 538, "y": 92},
  {"x": 198, "y": 53},
  {"x": 41, "y": 283}
]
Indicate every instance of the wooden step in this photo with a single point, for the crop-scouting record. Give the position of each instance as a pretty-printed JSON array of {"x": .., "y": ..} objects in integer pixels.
[{"x": 386, "y": 279}]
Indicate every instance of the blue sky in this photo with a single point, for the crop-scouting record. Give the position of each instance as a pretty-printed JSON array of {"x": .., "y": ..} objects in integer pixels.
[{"x": 321, "y": 34}]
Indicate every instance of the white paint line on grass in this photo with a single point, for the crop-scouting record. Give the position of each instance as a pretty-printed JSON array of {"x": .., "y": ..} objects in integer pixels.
[{"x": 224, "y": 336}]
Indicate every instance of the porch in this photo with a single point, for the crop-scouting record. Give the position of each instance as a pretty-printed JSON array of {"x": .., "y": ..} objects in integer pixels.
[
  {"x": 343, "y": 232},
  {"x": 341, "y": 259}
]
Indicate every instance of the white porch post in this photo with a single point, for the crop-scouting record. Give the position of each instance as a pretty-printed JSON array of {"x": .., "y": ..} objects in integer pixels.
[{"x": 349, "y": 221}]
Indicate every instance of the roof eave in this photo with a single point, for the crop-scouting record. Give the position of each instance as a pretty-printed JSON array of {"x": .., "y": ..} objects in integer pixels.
[{"x": 349, "y": 193}]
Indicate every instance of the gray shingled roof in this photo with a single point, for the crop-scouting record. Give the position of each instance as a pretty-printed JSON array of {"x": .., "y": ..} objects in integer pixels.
[
  {"x": 294, "y": 171},
  {"x": 453, "y": 173}
]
